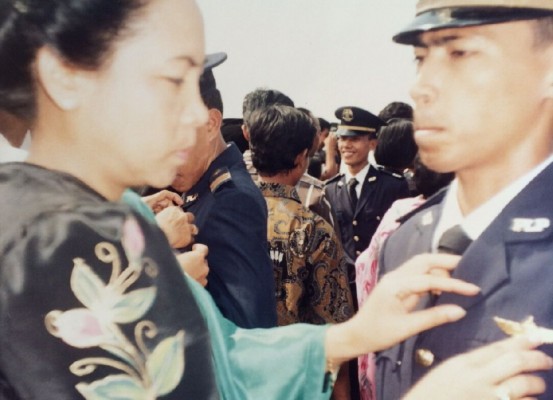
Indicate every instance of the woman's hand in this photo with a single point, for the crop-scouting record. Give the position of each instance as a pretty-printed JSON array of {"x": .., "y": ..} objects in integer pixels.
[
  {"x": 495, "y": 371},
  {"x": 194, "y": 263},
  {"x": 387, "y": 317},
  {"x": 178, "y": 226},
  {"x": 161, "y": 200}
]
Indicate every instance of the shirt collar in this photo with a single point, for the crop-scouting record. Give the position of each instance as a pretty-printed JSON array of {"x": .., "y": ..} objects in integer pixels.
[
  {"x": 278, "y": 190},
  {"x": 360, "y": 176},
  {"x": 479, "y": 219}
]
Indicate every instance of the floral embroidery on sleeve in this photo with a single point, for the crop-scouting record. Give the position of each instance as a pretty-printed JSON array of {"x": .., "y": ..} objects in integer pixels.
[{"x": 145, "y": 373}]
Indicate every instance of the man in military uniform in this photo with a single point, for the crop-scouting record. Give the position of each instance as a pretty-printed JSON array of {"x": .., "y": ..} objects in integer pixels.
[
  {"x": 484, "y": 110},
  {"x": 231, "y": 216},
  {"x": 362, "y": 194}
]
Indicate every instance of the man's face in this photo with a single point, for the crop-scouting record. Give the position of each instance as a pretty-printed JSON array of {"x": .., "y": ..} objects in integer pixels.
[
  {"x": 190, "y": 172},
  {"x": 354, "y": 150},
  {"x": 481, "y": 95}
]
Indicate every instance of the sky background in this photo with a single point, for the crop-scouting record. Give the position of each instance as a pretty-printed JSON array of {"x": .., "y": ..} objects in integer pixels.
[{"x": 324, "y": 54}]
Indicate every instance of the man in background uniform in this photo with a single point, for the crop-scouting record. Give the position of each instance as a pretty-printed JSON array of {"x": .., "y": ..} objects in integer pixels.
[
  {"x": 231, "y": 216},
  {"x": 360, "y": 196}
]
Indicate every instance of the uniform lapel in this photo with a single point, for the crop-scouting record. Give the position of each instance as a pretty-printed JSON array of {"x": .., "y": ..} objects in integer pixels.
[
  {"x": 527, "y": 218},
  {"x": 366, "y": 190},
  {"x": 343, "y": 196}
]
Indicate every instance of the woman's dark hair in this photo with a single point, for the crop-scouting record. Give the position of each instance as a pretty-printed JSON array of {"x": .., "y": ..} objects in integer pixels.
[
  {"x": 396, "y": 148},
  {"x": 428, "y": 182},
  {"x": 82, "y": 32},
  {"x": 279, "y": 133}
]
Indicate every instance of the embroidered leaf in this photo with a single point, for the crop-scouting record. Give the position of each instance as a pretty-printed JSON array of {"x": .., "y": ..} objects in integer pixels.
[
  {"x": 133, "y": 305},
  {"x": 86, "y": 285},
  {"x": 166, "y": 364},
  {"x": 116, "y": 387}
]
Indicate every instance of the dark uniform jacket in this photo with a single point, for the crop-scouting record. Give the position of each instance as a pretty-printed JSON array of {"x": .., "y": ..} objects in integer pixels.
[
  {"x": 379, "y": 191},
  {"x": 511, "y": 262},
  {"x": 231, "y": 215},
  {"x": 88, "y": 295}
]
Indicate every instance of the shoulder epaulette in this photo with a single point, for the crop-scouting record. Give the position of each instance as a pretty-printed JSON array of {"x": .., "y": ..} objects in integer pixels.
[
  {"x": 334, "y": 178},
  {"x": 219, "y": 177},
  {"x": 389, "y": 172},
  {"x": 431, "y": 201}
]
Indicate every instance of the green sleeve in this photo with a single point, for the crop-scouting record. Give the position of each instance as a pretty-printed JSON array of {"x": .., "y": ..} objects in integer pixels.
[{"x": 274, "y": 364}]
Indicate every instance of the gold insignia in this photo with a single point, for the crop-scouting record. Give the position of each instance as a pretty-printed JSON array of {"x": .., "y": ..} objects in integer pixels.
[
  {"x": 527, "y": 328},
  {"x": 347, "y": 114},
  {"x": 219, "y": 177},
  {"x": 427, "y": 219}
]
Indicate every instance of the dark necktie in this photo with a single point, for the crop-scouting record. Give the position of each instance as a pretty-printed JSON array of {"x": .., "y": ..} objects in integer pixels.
[
  {"x": 454, "y": 241},
  {"x": 352, "y": 184}
]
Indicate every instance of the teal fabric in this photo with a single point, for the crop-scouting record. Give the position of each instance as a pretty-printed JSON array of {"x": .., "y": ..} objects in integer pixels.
[
  {"x": 135, "y": 201},
  {"x": 283, "y": 363}
]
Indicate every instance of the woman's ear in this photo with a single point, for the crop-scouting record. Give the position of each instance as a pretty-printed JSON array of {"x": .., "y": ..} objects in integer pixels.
[{"x": 59, "y": 80}]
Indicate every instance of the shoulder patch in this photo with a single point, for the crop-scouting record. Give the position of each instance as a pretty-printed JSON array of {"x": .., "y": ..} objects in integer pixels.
[{"x": 219, "y": 177}]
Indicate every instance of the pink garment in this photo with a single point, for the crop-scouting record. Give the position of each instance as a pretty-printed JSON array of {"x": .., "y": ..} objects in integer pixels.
[{"x": 366, "y": 273}]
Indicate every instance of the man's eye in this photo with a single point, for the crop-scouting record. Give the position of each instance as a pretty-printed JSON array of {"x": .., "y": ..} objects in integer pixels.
[{"x": 176, "y": 81}]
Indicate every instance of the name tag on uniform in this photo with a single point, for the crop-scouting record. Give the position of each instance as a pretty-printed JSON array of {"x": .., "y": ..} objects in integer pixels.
[{"x": 530, "y": 225}]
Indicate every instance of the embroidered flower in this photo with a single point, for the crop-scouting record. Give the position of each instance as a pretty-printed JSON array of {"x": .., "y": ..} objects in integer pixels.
[{"x": 78, "y": 328}]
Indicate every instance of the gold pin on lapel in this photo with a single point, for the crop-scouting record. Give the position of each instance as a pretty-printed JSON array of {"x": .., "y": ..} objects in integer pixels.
[{"x": 527, "y": 328}]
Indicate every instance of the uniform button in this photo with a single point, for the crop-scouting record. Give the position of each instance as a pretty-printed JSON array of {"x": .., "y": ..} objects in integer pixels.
[
  {"x": 424, "y": 357},
  {"x": 378, "y": 218},
  {"x": 355, "y": 223},
  {"x": 356, "y": 238},
  {"x": 357, "y": 252}
]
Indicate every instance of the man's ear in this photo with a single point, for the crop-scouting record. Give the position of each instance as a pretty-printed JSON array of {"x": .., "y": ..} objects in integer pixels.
[
  {"x": 246, "y": 133},
  {"x": 60, "y": 81},
  {"x": 372, "y": 144},
  {"x": 215, "y": 120}
]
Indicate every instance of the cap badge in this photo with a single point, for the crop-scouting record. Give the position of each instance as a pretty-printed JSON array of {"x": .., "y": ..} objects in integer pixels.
[
  {"x": 444, "y": 15},
  {"x": 347, "y": 114}
]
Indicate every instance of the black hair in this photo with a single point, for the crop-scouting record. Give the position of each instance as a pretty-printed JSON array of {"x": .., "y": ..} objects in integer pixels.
[
  {"x": 396, "y": 148},
  {"x": 211, "y": 96},
  {"x": 324, "y": 124},
  {"x": 261, "y": 98},
  {"x": 396, "y": 109},
  {"x": 428, "y": 182},
  {"x": 278, "y": 134},
  {"x": 82, "y": 32},
  {"x": 543, "y": 31}
]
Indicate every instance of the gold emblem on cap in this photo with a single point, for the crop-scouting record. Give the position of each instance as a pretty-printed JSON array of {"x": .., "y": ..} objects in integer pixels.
[
  {"x": 444, "y": 15},
  {"x": 347, "y": 114},
  {"x": 527, "y": 328}
]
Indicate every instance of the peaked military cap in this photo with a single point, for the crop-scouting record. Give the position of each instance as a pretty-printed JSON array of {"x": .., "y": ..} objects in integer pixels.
[
  {"x": 355, "y": 121},
  {"x": 441, "y": 14},
  {"x": 207, "y": 80}
]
